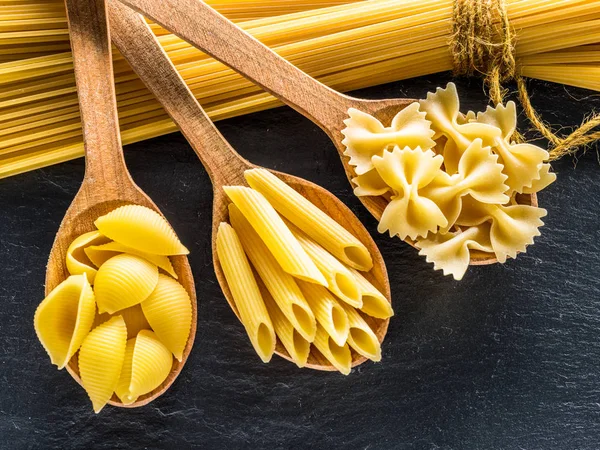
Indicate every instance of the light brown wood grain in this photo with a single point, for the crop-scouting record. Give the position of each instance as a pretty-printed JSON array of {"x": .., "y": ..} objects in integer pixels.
[
  {"x": 225, "y": 166},
  {"x": 107, "y": 183},
  {"x": 206, "y": 29}
]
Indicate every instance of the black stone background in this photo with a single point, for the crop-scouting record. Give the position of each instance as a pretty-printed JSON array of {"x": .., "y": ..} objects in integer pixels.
[{"x": 509, "y": 358}]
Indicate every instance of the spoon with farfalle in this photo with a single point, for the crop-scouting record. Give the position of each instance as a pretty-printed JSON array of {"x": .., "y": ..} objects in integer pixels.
[
  {"x": 364, "y": 131},
  {"x": 265, "y": 235}
]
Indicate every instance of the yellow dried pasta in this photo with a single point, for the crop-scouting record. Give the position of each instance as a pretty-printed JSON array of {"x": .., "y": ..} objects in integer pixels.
[
  {"x": 65, "y": 317},
  {"x": 123, "y": 281},
  {"x": 338, "y": 355},
  {"x": 141, "y": 228},
  {"x": 134, "y": 318},
  {"x": 168, "y": 310},
  {"x": 77, "y": 260},
  {"x": 101, "y": 359}
]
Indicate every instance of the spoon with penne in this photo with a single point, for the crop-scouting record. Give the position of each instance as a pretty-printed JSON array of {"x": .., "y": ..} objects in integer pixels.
[
  {"x": 295, "y": 265},
  {"x": 364, "y": 130},
  {"x": 66, "y": 317}
]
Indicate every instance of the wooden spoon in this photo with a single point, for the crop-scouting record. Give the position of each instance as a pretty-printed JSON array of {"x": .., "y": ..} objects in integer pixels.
[
  {"x": 139, "y": 46},
  {"x": 209, "y": 31},
  {"x": 107, "y": 183}
]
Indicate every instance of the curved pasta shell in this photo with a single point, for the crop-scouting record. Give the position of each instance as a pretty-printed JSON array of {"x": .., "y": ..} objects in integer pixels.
[
  {"x": 134, "y": 320},
  {"x": 101, "y": 359},
  {"x": 77, "y": 260},
  {"x": 147, "y": 364},
  {"x": 123, "y": 281},
  {"x": 99, "y": 254},
  {"x": 65, "y": 317},
  {"x": 169, "y": 312},
  {"x": 141, "y": 228}
]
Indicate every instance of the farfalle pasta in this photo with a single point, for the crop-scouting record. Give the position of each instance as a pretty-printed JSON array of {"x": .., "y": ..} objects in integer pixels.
[
  {"x": 119, "y": 335},
  {"x": 457, "y": 193}
]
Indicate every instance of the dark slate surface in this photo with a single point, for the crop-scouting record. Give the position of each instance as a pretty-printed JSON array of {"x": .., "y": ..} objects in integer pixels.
[{"x": 509, "y": 358}]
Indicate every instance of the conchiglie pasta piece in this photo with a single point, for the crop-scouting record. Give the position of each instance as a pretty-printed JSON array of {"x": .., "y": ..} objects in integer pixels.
[
  {"x": 141, "y": 228},
  {"x": 147, "y": 364},
  {"x": 134, "y": 320},
  {"x": 65, "y": 317},
  {"x": 123, "y": 281},
  {"x": 168, "y": 310},
  {"x": 99, "y": 254},
  {"x": 77, "y": 260},
  {"x": 101, "y": 359}
]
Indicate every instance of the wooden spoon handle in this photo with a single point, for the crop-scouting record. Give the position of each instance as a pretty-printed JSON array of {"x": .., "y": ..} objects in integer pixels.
[
  {"x": 135, "y": 40},
  {"x": 206, "y": 29},
  {"x": 92, "y": 59}
]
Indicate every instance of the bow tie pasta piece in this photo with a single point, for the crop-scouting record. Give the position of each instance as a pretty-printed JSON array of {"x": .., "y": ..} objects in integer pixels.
[
  {"x": 479, "y": 175},
  {"x": 450, "y": 252},
  {"x": 365, "y": 136},
  {"x": 77, "y": 260},
  {"x": 406, "y": 171},
  {"x": 134, "y": 318},
  {"x": 522, "y": 162},
  {"x": 65, "y": 317},
  {"x": 123, "y": 281},
  {"x": 101, "y": 359},
  {"x": 513, "y": 227},
  {"x": 370, "y": 183},
  {"x": 99, "y": 254},
  {"x": 146, "y": 365},
  {"x": 142, "y": 229},
  {"x": 169, "y": 312},
  {"x": 546, "y": 179}
]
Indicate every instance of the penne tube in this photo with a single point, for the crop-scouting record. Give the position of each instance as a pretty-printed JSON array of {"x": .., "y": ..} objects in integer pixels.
[
  {"x": 327, "y": 310},
  {"x": 297, "y": 347},
  {"x": 274, "y": 233},
  {"x": 340, "y": 280},
  {"x": 374, "y": 303},
  {"x": 279, "y": 283},
  {"x": 248, "y": 300},
  {"x": 361, "y": 337},
  {"x": 310, "y": 219},
  {"x": 338, "y": 355}
]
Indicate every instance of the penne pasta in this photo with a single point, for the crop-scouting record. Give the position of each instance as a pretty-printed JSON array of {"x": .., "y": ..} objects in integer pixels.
[
  {"x": 281, "y": 285},
  {"x": 310, "y": 219},
  {"x": 297, "y": 347},
  {"x": 274, "y": 233},
  {"x": 338, "y": 355},
  {"x": 361, "y": 337},
  {"x": 248, "y": 300},
  {"x": 328, "y": 312},
  {"x": 339, "y": 279},
  {"x": 374, "y": 303}
]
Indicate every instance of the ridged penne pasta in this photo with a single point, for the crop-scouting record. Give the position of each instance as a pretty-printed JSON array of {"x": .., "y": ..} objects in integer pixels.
[
  {"x": 328, "y": 312},
  {"x": 338, "y": 355},
  {"x": 248, "y": 300},
  {"x": 361, "y": 337},
  {"x": 168, "y": 310},
  {"x": 375, "y": 304},
  {"x": 146, "y": 365},
  {"x": 134, "y": 318},
  {"x": 123, "y": 281},
  {"x": 64, "y": 318},
  {"x": 77, "y": 260},
  {"x": 297, "y": 346},
  {"x": 101, "y": 359},
  {"x": 310, "y": 219},
  {"x": 339, "y": 279},
  {"x": 279, "y": 283},
  {"x": 274, "y": 233},
  {"x": 98, "y": 254},
  {"x": 141, "y": 228}
]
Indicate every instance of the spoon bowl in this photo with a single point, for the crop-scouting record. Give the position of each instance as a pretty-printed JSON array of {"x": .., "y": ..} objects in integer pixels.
[
  {"x": 225, "y": 166},
  {"x": 107, "y": 183}
]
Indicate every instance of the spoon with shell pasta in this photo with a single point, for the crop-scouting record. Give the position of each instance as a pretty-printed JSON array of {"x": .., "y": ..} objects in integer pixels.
[
  {"x": 299, "y": 270},
  {"x": 396, "y": 136},
  {"x": 103, "y": 317}
]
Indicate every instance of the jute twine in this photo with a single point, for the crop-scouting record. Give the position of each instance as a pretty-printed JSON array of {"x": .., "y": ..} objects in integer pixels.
[{"x": 483, "y": 43}]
